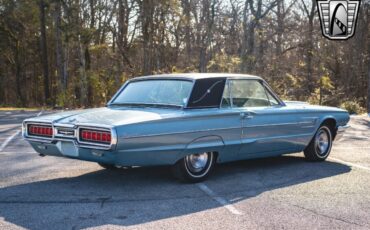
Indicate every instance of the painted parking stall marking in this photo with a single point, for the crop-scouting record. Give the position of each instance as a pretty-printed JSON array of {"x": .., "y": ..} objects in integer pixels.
[
  {"x": 350, "y": 164},
  {"x": 219, "y": 199},
  {"x": 8, "y": 140}
]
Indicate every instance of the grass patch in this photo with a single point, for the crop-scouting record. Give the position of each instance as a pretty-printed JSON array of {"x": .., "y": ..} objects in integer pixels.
[{"x": 20, "y": 108}]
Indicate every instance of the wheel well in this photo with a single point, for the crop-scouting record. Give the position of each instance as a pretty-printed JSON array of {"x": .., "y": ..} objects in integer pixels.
[
  {"x": 332, "y": 124},
  {"x": 216, "y": 155}
]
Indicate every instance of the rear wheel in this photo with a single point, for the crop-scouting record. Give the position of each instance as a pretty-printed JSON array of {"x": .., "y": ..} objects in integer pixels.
[
  {"x": 320, "y": 145},
  {"x": 194, "y": 167}
]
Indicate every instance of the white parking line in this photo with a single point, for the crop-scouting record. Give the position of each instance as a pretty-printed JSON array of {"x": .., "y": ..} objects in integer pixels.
[
  {"x": 356, "y": 136},
  {"x": 219, "y": 199},
  {"x": 9, "y": 139},
  {"x": 338, "y": 147},
  {"x": 350, "y": 164}
]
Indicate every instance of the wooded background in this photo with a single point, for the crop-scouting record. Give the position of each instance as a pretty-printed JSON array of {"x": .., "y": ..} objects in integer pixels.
[{"x": 77, "y": 53}]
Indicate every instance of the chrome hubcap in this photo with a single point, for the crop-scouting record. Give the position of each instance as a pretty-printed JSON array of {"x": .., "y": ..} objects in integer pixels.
[
  {"x": 196, "y": 162},
  {"x": 322, "y": 142}
]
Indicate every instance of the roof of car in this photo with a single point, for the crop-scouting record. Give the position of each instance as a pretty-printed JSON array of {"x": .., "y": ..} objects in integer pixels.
[{"x": 195, "y": 76}]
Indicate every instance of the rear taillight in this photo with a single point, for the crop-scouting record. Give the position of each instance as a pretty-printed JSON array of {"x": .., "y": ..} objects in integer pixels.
[
  {"x": 98, "y": 136},
  {"x": 40, "y": 130}
]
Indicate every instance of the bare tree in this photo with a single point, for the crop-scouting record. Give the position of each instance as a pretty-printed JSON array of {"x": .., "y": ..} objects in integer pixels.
[
  {"x": 44, "y": 51},
  {"x": 147, "y": 12},
  {"x": 186, "y": 5},
  {"x": 367, "y": 23},
  {"x": 59, "y": 51},
  {"x": 258, "y": 11},
  {"x": 88, "y": 47},
  {"x": 310, "y": 12},
  {"x": 205, "y": 24}
]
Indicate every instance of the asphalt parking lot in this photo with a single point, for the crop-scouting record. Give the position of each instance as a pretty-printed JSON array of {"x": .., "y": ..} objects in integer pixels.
[{"x": 275, "y": 193}]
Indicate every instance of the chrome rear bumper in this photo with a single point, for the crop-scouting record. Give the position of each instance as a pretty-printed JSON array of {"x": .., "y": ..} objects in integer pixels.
[{"x": 340, "y": 131}]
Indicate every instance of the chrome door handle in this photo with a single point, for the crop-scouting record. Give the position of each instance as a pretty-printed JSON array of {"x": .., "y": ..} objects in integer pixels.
[{"x": 246, "y": 115}]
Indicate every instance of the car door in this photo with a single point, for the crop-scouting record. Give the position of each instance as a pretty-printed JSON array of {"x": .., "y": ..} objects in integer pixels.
[{"x": 268, "y": 126}]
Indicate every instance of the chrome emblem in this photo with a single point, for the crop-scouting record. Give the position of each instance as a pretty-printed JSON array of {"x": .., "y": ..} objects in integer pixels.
[
  {"x": 338, "y": 18},
  {"x": 66, "y": 132}
]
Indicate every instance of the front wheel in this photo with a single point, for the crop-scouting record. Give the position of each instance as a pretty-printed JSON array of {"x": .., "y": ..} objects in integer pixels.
[
  {"x": 320, "y": 145},
  {"x": 194, "y": 167}
]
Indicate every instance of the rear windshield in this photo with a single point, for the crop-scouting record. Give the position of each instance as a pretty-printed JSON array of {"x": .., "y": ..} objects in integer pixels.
[{"x": 155, "y": 92}]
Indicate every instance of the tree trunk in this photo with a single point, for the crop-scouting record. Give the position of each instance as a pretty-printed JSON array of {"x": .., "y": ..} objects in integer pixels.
[
  {"x": 368, "y": 67},
  {"x": 90, "y": 93},
  {"x": 2, "y": 88},
  {"x": 92, "y": 13},
  {"x": 309, "y": 55},
  {"x": 245, "y": 40},
  {"x": 202, "y": 60},
  {"x": 82, "y": 71},
  {"x": 147, "y": 11},
  {"x": 187, "y": 37},
  {"x": 61, "y": 66},
  {"x": 368, "y": 81},
  {"x": 18, "y": 77},
  {"x": 208, "y": 12},
  {"x": 44, "y": 52},
  {"x": 280, "y": 27},
  {"x": 122, "y": 40},
  {"x": 309, "y": 48},
  {"x": 249, "y": 59}
]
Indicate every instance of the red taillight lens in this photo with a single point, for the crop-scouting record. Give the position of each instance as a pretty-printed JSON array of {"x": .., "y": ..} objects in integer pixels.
[
  {"x": 40, "y": 130},
  {"x": 98, "y": 136}
]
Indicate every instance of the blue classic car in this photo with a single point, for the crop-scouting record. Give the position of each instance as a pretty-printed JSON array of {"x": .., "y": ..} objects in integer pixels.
[{"x": 189, "y": 121}]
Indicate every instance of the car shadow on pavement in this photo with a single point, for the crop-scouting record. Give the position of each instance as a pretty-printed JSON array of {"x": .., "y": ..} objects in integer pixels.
[
  {"x": 129, "y": 197},
  {"x": 364, "y": 121}
]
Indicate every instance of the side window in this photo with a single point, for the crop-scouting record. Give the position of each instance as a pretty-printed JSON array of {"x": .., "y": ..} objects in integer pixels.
[
  {"x": 248, "y": 93},
  {"x": 225, "y": 103},
  {"x": 271, "y": 98}
]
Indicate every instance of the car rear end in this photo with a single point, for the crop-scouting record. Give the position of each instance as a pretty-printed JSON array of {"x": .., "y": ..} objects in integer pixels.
[{"x": 81, "y": 141}]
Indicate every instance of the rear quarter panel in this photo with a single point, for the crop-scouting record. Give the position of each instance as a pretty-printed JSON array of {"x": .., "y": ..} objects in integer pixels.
[
  {"x": 165, "y": 141},
  {"x": 310, "y": 118}
]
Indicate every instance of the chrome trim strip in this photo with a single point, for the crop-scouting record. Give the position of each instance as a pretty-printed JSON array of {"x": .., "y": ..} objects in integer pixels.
[
  {"x": 38, "y": 140},
  {"x": 267, "y": 125},
  {"x": 175, "y": 133},
  {"x": 225, "y": 112},
  {"x": 275, "y": 137},
  {"x": 205, "y": 130},
  {"x": 64, "y": 125}
]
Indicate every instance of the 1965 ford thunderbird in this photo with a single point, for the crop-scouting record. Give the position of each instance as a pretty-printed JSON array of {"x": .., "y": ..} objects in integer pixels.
[{"x": 189, "y": 121}]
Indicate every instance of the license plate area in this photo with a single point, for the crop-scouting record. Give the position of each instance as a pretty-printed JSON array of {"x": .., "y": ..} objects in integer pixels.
[{"x": 67, "y": 148}]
